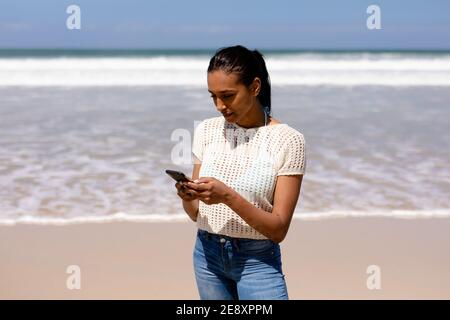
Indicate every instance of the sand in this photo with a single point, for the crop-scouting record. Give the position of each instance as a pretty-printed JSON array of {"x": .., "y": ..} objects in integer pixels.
[{"x": 322, "y": 259}]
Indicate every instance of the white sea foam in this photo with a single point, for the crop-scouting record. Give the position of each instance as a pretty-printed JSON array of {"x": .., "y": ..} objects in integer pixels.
[
  {"x": 156, "y": 218},
  {"x": 294, "y": 69}
]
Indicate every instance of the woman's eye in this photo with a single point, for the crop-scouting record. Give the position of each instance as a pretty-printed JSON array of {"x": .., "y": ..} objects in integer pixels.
[{"x": 223, "y": 97}]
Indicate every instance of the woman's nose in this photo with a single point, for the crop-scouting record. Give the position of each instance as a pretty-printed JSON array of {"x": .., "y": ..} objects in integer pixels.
[{"x": 220, "y": 107}]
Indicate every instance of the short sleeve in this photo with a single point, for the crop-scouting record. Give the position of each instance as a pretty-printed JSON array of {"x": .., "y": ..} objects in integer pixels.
[
  {"x": 294, "y": 156},
  {"x": 198, "y": 142}
]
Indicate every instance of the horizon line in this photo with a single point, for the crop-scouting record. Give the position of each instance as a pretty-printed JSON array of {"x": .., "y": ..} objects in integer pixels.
[{"x": 266, "y": 50}]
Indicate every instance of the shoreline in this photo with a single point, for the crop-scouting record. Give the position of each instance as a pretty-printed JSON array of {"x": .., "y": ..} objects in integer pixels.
[{"x": 169, "y": 218}]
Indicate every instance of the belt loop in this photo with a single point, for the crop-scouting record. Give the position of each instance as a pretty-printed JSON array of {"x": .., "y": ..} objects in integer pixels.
[{"x": 236, "y": 244}]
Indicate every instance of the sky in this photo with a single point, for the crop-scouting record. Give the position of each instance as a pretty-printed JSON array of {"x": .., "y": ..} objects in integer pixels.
[{"x": 201, "y": 24}]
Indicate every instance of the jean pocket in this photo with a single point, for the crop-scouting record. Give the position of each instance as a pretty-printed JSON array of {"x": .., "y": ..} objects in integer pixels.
[{"x": 258, "y": 247}]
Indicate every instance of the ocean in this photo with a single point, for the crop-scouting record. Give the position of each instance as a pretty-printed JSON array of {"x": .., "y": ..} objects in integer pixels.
[{"x": 85, "y": 135}]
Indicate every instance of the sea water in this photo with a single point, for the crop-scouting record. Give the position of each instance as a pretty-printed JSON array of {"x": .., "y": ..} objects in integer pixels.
[{"x": 87, "y": 135}]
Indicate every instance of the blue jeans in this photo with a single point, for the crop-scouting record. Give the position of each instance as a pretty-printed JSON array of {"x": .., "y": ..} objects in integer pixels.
[{"x": 228, "y": 268}]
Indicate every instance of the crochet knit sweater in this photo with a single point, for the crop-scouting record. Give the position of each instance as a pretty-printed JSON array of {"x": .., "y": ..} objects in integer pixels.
[{"x": 248, "y": 160}]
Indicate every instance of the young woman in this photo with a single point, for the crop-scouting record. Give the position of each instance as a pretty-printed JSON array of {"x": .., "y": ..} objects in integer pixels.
[{"x": 248, "y": 170}]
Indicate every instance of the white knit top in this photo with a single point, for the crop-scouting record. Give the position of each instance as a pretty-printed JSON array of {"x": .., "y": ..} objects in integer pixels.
[{"x": 248, "y": 161}]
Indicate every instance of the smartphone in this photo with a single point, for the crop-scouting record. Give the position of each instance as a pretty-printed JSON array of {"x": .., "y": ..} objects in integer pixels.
[{"x": 178, "y": 176}]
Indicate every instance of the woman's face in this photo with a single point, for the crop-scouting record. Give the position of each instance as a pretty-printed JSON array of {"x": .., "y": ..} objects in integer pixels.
[{"x": 232, "y": 98}]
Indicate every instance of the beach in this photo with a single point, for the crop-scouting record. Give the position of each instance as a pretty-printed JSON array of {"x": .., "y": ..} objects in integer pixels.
[
  {"x": 86, "y": 137},
  {"x": 322, "y": 259}
]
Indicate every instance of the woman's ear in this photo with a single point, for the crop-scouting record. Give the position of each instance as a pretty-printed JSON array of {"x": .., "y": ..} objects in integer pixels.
[{"x": 256, "y": 86}]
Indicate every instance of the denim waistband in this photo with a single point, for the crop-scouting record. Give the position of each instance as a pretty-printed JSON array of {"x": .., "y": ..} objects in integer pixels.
[{"x": 217, "y": 237}]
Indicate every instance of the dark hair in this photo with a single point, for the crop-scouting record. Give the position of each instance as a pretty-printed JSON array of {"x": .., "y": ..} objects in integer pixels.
[{"x": 247, "y": 65}]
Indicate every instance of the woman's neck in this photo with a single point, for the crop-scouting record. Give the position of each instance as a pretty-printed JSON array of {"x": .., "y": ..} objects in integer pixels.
[{"x": 256, "y": 118}]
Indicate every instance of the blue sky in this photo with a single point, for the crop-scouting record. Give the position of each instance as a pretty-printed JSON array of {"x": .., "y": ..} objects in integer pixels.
[{"x": 310, "y": 24}]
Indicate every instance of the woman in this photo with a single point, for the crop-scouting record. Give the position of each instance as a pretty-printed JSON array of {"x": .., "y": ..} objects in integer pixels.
[{"x": 251, "y": 168}]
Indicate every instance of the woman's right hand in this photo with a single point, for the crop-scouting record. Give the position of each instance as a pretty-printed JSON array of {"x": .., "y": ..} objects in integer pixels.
[{"x": 184, "y": 192}]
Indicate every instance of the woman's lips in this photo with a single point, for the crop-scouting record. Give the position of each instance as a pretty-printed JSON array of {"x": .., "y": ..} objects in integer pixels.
[{"x": 228, "y": 115}]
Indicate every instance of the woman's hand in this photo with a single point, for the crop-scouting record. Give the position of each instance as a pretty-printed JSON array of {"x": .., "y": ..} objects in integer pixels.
[
  {"x": 210, "y": 190},
  {"x": 184, "y": 192}
]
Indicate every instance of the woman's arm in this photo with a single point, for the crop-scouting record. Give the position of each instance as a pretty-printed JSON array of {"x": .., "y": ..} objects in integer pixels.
[{"x": 273, "y": 225}]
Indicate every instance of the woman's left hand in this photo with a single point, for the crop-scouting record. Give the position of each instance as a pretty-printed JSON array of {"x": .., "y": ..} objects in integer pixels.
[{"x": 210, "y": 190}]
